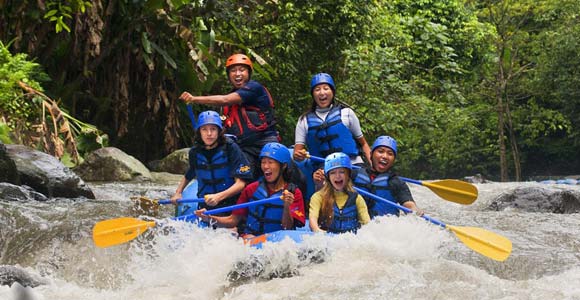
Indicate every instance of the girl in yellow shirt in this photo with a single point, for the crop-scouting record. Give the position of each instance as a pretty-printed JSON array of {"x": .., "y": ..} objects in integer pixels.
[{"x": 337, "y": 208}]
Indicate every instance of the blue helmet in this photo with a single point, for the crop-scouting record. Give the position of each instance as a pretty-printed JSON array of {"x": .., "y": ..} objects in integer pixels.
[
  {"x": 386, "y": 141},
  {"x": 277, "y": 152},
  {"x": 336, "y": 160},
  {"x": 209, "y": 117},
  {"x": 321, "y": 78}
]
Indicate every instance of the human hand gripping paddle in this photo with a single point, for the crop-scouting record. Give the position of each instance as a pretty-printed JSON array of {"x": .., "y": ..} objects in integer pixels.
[
  {"x": 121, "y": 230},
  {"x": 484, "y": 242},
  {"x": 449, "y": 189},
  {"x": 147, "y": 204}
]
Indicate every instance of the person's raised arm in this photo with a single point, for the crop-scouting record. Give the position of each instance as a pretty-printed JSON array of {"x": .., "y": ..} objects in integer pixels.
[{"x": 219, "y": 100}]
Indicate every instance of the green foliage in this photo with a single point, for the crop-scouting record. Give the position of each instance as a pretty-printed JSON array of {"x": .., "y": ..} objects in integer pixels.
[
  {"x": 426, "y": 72},
  {"x": 5, "y": 133},
  {"x": 60, "y": 12},
  {"x": 17, "y": 110}
]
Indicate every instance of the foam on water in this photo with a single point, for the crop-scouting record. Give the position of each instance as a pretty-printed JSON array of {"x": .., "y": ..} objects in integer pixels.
[{"x": 396, "y": 258}]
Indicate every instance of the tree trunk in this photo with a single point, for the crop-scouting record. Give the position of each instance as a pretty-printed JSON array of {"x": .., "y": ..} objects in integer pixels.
[
  {"x": 513, "y": 143},
  {"x": 501, "y": 140},
  {"x": 499, "y": 94}
]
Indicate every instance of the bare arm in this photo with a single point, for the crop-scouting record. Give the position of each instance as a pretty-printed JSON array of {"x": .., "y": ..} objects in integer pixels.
[
  {"x": 365, "y": 148},
  {"x": 288, "y": 198},
  {"x": 299, "y": 152},
  {"x": 313, "y": 221},
  {"x": 230, "y": 221},
  {"x": 178, "y": 192},
  {"x": 413, "y": 206},
  {"x": 236, "y": 188},
  {"x": 219, "y": 100},
  {"x": 319, "y": 179}
]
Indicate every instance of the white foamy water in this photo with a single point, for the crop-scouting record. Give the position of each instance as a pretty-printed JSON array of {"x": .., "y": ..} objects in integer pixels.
[{"x": 391, "y": 258}]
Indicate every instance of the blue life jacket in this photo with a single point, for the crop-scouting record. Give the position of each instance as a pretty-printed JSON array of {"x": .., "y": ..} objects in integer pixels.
[
  {"x": 213, "y": 175},
  {"x": 344, "y": 219},
  {"x": 267, "y": 217},
  {"x": 380, "y": 187},
  {"x": 330, "y": 135}
]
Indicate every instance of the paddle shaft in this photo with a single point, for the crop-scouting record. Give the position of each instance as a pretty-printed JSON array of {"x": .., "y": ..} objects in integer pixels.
[
  {"x": 450, "y": 190},
  {"x": 168, "y": 201},
  {"x": 117, "y": 231},
  {"x": 320, "y": 159},
  {"x": 407, "y": 210},
  {"x": 234, "y": 207},
  {"x": 191, "y": 116}
]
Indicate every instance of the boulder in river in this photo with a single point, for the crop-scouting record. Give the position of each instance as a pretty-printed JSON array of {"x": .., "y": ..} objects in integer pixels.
[
  {"x": 539, "y": 199},
  {"x": 8, "y": 171},
  {"x": 46, "y": 174},
  {"x": 11, "y": 274},
  {"x": 175, "y": 163},
  {"x": 13, "y": 192},
  {"x": 112, "y": 164}
]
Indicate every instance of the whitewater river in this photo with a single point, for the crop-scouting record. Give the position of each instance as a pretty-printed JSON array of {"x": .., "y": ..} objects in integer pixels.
[{"x": 393, "y": 258}]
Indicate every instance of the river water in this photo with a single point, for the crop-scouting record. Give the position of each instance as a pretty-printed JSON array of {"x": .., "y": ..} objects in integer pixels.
[{"x": 392, "y": 258}]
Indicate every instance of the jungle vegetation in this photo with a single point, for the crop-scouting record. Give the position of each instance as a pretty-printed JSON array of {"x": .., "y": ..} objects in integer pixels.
[{"x": 466, "y": 87}]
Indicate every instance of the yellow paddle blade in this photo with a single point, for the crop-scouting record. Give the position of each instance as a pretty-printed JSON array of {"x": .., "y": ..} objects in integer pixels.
[
  {"x": 484, "y": 242},
  {"x": 117, "y": 231},
  {"x": 453, "y": 190}
]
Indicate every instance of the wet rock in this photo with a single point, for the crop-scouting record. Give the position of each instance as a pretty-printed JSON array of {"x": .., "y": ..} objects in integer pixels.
[
  {"x": 265, "y": 267},
  {"x": 175, "y": 163},
  {"x": 8, "y": 171},
  {"x": 477, "y": 178},
  {"x": 12, "y": 192},
  {"x": 112, "y": 164},
  {"x": 166, "y": 178},
  {"x": 12, "y": 274},
  {"x": 539, "y": 199},
  {"x": 46, "y": 174}
]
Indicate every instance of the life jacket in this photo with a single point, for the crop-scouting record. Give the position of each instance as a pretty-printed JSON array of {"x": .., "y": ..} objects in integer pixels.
[
  {"x": 306, "y": 186},
  {"x": 213, "y": 174},
  {"x": 380, "y": 187},
  {"x": 344, "y": 219},
  {"x": 329, "y": 135},
  {"x": 267, "y": 217},
  {"x": 250, "y": 123}
]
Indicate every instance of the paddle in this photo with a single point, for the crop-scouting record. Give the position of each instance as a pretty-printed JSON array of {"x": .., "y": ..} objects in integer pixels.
[
  {"x": 449, "y": 189},
  {"x": 484, "y": 242},
  {"x": 152, "y": 205},
  {"x": 191, "y": 115},
  {"x": 121, "y": 230},
  {"x": 149, "y": 203}
]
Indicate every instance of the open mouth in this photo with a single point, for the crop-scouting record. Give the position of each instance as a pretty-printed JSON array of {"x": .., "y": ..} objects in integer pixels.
[
  {"x": 268, "y": 175},
  {"x": 339, "y": 182},
  {"x": 384, "y": 163},
  {"x": 238, "y": 80}
]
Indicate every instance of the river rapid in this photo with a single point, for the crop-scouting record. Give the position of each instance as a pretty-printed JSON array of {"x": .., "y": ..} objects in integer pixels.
[{"x": 391, "y": 258}]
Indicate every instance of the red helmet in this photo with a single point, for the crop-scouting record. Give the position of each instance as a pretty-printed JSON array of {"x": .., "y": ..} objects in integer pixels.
[{"x": 239, "y": 59}]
